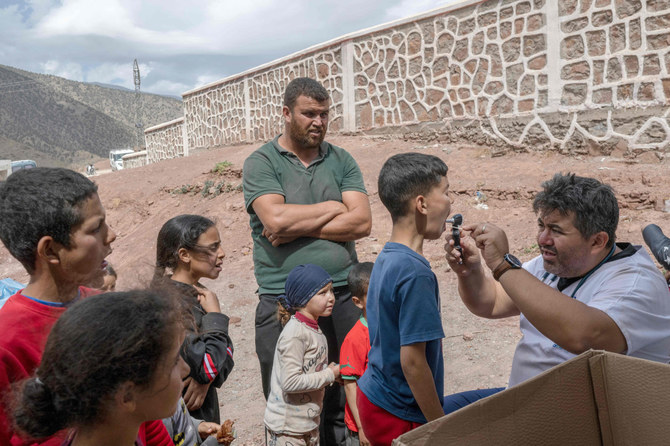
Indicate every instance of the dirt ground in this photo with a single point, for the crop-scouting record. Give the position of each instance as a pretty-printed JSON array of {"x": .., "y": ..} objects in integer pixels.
[{"x": 477, "y": 352}]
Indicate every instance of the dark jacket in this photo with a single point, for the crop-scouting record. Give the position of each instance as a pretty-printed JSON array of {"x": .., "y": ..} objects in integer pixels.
[{"x": 208, "y": 351}]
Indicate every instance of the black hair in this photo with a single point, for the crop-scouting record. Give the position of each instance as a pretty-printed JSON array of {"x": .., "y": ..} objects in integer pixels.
[
  {"x": 39, "y": 202},
  {"x": 405, "y": 176},
  {"x": 359, "y": 278},
  {"x": 593, "y": 203},
  {"x": 99, "y": 343},
  {"x": 178, "y": 232},
  {"x": 304, "y": 86}
]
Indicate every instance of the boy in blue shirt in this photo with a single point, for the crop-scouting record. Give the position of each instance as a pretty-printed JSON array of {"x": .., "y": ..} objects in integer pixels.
[{"x": 403, "y": 386}]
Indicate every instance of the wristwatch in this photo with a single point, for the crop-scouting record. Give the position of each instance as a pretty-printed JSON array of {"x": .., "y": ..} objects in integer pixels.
[{"x": 509, "y": 262}]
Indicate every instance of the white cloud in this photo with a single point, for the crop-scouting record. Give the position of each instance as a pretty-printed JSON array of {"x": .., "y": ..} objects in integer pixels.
[{"x": 68, "y": 70}]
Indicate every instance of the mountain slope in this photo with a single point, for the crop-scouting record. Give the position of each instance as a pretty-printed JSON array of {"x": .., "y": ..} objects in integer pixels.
[{"x": 62, "y": 122}]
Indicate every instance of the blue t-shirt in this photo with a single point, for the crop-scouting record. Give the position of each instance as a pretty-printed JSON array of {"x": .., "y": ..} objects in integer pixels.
[{"x": 403, "y": 308}]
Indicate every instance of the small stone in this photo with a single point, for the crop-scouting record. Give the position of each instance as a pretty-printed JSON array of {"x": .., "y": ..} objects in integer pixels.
[
  {"x": 231, "y": 285},
  {"x": 468, "y": 337}
]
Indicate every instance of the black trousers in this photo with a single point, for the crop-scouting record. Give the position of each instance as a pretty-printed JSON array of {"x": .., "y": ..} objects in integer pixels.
[{"x": 335, "y": 327}]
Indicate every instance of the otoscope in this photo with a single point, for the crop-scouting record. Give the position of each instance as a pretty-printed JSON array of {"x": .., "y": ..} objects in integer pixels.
[{"x": 456, "y": 222}]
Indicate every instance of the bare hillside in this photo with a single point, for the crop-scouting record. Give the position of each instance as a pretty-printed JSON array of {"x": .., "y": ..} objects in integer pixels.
[{"x": 60, "y": 122}]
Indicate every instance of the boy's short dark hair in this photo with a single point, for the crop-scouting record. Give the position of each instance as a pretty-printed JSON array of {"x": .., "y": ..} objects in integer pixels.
[
  {"x": 359, "y": 278},
  {"x": 306, "y": 87},
  {"x": 405, "y": 176},
  {"x": 593, "y": 203},
  {"x": 38, "y": 202}
]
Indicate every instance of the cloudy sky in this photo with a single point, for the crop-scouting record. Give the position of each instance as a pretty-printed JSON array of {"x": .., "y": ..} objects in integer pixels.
[{"x": 179, "y": 44}]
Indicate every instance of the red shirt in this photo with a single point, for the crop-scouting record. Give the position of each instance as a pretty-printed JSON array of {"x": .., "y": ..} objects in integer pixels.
[
  {"x": 24, "y": 327},
  {"x": 354, "y": 360}
]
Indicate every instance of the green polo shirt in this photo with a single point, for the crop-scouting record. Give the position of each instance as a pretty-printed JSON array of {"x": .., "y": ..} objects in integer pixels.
[{"x": 274, "y": 170}]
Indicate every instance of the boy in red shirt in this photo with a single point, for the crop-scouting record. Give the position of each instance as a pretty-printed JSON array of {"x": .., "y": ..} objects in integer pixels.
[
  {"x": 52, "y": 221},
  {"x": 354, "y": 353}
]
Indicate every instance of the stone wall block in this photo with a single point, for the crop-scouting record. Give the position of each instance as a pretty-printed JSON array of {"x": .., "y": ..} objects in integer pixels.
[
  {"x": 653, "y": 134},
  {"x": 513, "y": 74},
  {"x": 613, "y": 70},
  {"x": 602, "y": 96},
  {"x": 534, "y": 44},
  {"x": 572, "y": 47},
  {"x": 666, "y": 89},
  {"x": 523, "y": 8},
  {"x": 440, "y": 66},
  {"x": 657, "y": 23},
  {"x": 505, "y": 30},
  {"x": 454, "y": 75},
  {"x": 598, "y": 71},
  {"x": 567, "y": 7},
  {"x": 584, "y": 6},
  {"x": 484, "y": 20},
  {"x": 526, "y": 105},
  {"x": 634, "y": 34},
  {"x": 494, "y": 87},
  {"x": 601, "y": 18},
  {"x": 572, "y": 26},
  {"x": 542, "y": 79},
  {"x": 537, "y": 63},
  {"x": 466, "y": 26},
  {"x": 535, "y": 22},
  {"x": 452, "y": 24},
  {"x": 518, "y": 25},
  {"x": 659, "y": 41},
  {"x": 478, "y": 43},
  {"x": 538, "y": 4},
  {"x": 632, "y": 66},
  {"x": 626, "y": 8},
  {"x": 625, "y": 92},
  {"x": 445, "y": 43},
  {"x": 461, "y": 50},
  {"x": 574, "y": 94},
  {"x": 501, "y": 106},
  {"x": 617, "y": 38},
  {"x": 576, "y": 71},
  {"x": 658, "y": 5},
  {"x": 527, "y": 85},
  {"x": 492, "y": 33},
  {"x": 596, "y": 41},
  {"x": 651, "y": 65},
  {"x": 482, "y": 106},
  {"x": 603, "y": 3},
  {"x": 506, "y": 13},
  {"x": 646, "y": 92},
  {"x": 511, "y": 49},
  {"x": 414, "y": 43}
]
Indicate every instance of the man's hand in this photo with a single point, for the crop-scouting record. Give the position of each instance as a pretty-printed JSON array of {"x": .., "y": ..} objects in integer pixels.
[
  {"x": 469, "y": 256},
  {"x": 195, "y": 393},
  {"x": 207, "y": 428},
  {"x": 208, "y": 300},
  {"x": 491, "y": 240},
  {"x": 275, "y": 239}
]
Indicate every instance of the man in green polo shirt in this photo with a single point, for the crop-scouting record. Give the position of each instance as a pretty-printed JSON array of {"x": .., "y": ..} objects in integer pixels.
[{"x": 307, "y": 204}]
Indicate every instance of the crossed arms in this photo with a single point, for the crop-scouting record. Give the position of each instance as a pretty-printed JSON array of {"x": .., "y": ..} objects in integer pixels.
[{"x": 329, "y": 220}]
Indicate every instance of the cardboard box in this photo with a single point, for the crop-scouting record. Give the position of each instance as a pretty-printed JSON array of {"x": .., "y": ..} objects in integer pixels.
[{"x": 596, "y": 398}]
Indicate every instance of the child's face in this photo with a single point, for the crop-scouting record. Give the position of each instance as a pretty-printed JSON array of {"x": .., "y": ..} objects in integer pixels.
[
  {"x": 438, "y": 205},
  {"x": 207, "y": 262},
  {"x": 160, "y": 398},
  {"x": 89, "y": 245},
  {"x": 321, "y": 304}
]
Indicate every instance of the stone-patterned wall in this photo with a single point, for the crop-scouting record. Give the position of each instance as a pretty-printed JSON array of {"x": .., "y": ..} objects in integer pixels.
[
  {"x": 137, "y": 159},
  {"x": 250, "y": 108},
  {"x": 482, "y": 60},
  {"x": 578, "y": 76},
  {"x": 165, "y": 141}
]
